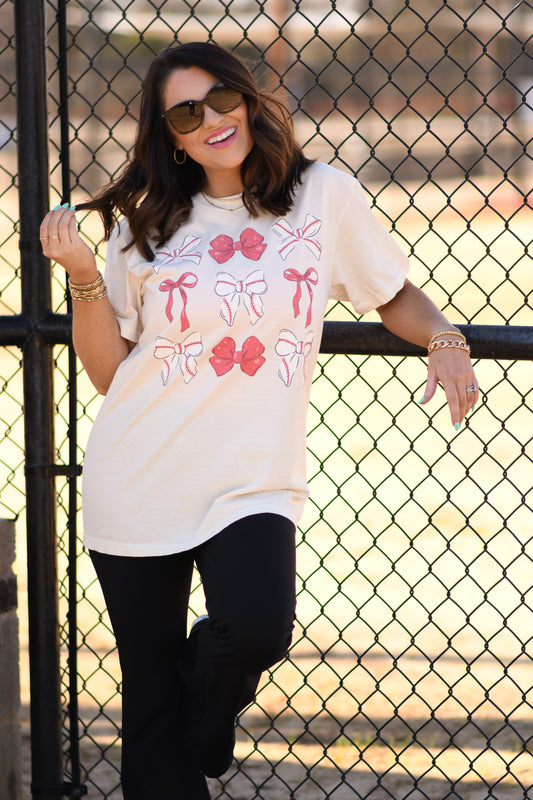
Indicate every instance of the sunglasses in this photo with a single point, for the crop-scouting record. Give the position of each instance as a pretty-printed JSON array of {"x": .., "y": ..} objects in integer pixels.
[{"x": 188, "y": 116}]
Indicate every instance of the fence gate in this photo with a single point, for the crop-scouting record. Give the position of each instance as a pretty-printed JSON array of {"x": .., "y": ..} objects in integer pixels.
[{"x": 411, "y": 670}]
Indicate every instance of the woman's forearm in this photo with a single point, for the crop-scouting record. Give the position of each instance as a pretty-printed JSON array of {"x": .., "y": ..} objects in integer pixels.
[
  {"x": 413, "y": 316},
  {"x": 95, "y": 331}
]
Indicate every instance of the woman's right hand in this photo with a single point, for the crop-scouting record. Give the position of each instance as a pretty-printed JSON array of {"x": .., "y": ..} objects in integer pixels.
[
  {"x": 95, "y": 330},
  {"x": 61, "y": 241}
]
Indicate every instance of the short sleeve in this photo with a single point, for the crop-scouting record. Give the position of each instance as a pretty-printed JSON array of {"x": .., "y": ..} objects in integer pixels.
[
  {"x": 123, "y": 287},
  {"x": 369, "y": 266}
]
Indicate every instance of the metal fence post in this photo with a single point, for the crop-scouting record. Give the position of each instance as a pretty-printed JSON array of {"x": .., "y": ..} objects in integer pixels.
[{"x": 38, "y": 405}]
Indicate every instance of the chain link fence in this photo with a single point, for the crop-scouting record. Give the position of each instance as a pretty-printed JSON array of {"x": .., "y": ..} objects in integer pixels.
[{"x": 411, "y": 669}]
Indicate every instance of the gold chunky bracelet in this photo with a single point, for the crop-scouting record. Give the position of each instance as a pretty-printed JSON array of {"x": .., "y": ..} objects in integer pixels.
[
  {"x": 442, "y": 343},
  {"x": 447, "y": 333},
  {"x": 88, "y": 292}
]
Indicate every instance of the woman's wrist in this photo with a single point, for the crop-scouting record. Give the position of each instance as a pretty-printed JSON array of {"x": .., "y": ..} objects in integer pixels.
[
  {"x": 84, "y": 270},
  {"x": 90, "y": 291}
]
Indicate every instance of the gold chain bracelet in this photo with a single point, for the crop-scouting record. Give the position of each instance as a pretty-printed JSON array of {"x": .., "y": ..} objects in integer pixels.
[{"x": 442, "y": 343}]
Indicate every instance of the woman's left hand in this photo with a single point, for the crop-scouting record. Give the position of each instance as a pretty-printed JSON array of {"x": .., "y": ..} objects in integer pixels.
[{"x": 452, "y": 368}]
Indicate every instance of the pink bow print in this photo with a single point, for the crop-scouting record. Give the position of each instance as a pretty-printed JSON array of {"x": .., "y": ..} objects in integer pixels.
[
  {"x": 292, "y": 350},
  {"x": 231, "y": 290},
  {"x": 249, "y": 358},
  {"x": 186, "y": 281},
  {"x": 310, "y": 278},
  {"x": 185, "y": 252},
  {"x": 184, "y": 353},
  {"x": 306, "y": 235},
  {"x": 250, "y": 244}
]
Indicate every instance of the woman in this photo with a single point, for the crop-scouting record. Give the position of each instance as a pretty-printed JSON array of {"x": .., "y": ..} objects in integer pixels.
[{"x": 204, "y": 337}]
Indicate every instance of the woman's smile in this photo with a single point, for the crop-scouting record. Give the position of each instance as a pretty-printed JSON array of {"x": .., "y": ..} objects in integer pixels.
[{"x": 223, "y": 138}]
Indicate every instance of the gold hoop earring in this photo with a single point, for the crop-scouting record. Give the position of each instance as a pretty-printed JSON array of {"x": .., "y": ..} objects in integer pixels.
[{"x": 184, "y": 159}]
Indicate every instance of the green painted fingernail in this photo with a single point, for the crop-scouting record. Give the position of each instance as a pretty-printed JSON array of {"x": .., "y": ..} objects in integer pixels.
[
  {"x": 55, "y": 208},
  {"x": 456, "y": 425},
  {"x": 65, "y": 205},
  {"x": 421, "y": 400}
]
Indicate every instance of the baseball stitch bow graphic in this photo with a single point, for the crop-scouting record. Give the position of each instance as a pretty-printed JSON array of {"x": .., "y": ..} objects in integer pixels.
[
  {"x": 185, "y": 353},
  {"x": 292, "y": 350},
  {"x": 306, "y": 235},
  {"x": 250, "y": 244},
  {"x": 186, "y": 281},
  {"x": 310, "y": 278},
  {"x": 187, "y": 251},
  {"x": 225, "y": 355},
  {"x": 231, "y": 290}
]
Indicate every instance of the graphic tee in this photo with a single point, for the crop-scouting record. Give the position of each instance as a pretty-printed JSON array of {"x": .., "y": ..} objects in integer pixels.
[{"x": 205, "y": 420}]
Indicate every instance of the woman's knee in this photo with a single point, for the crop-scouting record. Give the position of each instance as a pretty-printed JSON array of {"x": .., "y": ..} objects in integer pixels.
[{"x": 259, "y": 643}]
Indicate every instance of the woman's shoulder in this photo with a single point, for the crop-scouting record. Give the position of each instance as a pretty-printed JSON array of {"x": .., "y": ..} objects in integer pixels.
[
  {"x": 120, "y": 241},
  {"x": 121, "y": 234},
  {"x": 120, "y": 250},
  {"x": 326, "y": 176},
  {"x": 334, "y": 188}
]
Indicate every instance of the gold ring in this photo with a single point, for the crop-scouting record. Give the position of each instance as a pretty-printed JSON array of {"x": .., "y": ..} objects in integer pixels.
[
  {"x": 54, "y": 237},
  {"x": 44, "y": 238}
]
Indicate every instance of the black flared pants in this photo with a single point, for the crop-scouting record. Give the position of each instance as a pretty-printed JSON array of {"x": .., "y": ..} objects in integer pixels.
[{"x": 180, "y": 694}]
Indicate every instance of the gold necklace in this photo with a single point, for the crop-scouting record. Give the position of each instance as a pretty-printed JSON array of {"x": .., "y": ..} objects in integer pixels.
[{"x": 231, "y": 199}]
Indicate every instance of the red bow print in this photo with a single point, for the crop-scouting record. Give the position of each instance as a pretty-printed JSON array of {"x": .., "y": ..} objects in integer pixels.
[
  {"x": 309, "y": 277},
  {"x": 249, "y": 358},
  {"x": 250, "y": 244},
  {"x": 186, "y": 281}
]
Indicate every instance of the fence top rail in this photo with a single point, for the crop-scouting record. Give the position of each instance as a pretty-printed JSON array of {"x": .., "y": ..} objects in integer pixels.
[
  {"x": 508, "y": 342},
  {"x": 504, "y": 342}
]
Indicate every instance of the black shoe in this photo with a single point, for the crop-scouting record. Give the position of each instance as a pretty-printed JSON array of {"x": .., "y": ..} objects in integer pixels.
[{"x": 201, "y": 620}]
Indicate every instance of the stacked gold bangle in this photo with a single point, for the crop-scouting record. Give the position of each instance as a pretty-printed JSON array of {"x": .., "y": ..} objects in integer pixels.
[
  {"x": 88, "y": 292},
  {"x": 459, "y": 341}
]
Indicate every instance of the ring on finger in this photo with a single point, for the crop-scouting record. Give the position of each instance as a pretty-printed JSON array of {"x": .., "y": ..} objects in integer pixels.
[
  {"x": 472, "y": 389},
  {"x": 44, "y": 238}
]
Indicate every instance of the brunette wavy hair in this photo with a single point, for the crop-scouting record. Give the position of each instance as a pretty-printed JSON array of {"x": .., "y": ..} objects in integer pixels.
[{"x": 155, "y": 194}]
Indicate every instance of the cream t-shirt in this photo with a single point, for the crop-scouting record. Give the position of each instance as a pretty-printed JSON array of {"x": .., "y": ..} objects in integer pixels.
[{"x": 205, "y": 420}]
